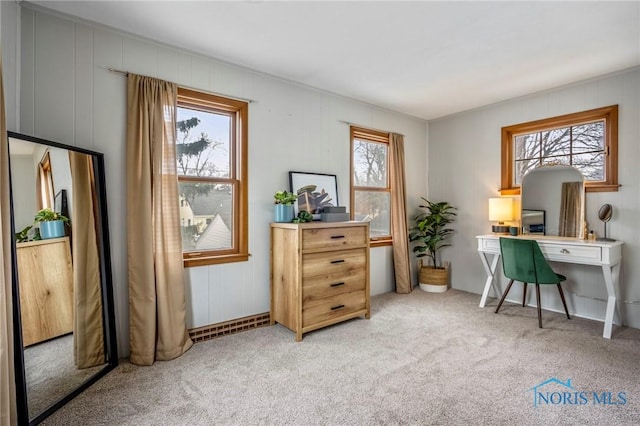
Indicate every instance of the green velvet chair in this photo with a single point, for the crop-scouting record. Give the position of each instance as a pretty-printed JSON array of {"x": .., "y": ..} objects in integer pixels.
[{"x": 522, "y": 260}]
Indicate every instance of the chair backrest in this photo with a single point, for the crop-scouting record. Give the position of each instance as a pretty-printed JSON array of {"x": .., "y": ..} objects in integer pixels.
[{"x": 522, "y": 260}]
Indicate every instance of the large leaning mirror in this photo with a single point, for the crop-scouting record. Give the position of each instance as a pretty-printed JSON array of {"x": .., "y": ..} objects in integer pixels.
[
  {"x": 553, "y": 202},
  {"x": 64, "y": 330}
]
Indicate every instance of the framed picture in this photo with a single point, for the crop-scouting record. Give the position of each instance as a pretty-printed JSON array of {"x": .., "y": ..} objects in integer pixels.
[{"x": 315, "y": 191}]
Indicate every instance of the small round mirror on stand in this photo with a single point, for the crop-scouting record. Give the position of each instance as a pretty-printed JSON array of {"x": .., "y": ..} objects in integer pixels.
[{"x": 604, "y": 214}]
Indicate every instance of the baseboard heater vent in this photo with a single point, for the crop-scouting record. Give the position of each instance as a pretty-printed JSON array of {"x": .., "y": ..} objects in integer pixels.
[{"x": 229, "y": 327}]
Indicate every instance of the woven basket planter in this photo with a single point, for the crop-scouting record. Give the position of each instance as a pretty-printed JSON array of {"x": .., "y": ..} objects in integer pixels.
[{"x": 433, "y": 280}]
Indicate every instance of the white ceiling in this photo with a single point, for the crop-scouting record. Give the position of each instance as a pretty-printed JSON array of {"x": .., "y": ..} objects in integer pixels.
[{"x": 427, "y": 59}]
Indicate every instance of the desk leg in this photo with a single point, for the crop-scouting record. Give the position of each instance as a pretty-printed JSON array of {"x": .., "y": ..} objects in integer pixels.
[
  {"x": 490, "y": 271},
  {"x": 610, "y": 274}
]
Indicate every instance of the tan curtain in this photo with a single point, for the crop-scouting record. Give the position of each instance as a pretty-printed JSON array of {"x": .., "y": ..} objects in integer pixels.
[
  {"x": 399, "y": 215},
  {"x": 88, "y": 339},
  {"x": 571, "y": 216},
  {"x": 8, "y": 413},
  {"x": 157, "y": 314},
  {"x": 44, "y": 184}
]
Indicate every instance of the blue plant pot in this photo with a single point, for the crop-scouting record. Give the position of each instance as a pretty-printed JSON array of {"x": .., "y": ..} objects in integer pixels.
[
  {"x": 284, "y": 213},
  {"x": 54, "y": 229}
]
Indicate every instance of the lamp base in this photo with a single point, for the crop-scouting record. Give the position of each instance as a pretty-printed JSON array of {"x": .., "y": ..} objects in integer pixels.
[
  {"x": 610, "y": 240},
  {"x": 500, "y": 229}
]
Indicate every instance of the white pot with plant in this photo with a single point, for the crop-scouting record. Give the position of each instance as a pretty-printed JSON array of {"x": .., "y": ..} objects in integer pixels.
[
  {"x": 431, "y": 232},
  {"x": 284, "y": 201}
]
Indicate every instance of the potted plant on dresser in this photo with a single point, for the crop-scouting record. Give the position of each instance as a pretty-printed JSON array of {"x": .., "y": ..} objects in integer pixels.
[
  {"x": 283, "y": 201},
  {"x": 430, "y": 231},
  {"x": 51, "y": 223}
]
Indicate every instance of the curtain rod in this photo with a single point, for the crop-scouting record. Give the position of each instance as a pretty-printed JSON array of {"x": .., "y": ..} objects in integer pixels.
[
  {"x": 251, "y": 101},
  {"x": 367, "y": 127}
]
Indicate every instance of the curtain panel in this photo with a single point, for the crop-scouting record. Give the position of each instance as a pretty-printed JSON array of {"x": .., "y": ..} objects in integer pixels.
[
  {"x": 571, "y": 209},
  {"x": 8, "y": 407},
  {"x": 88, "y": 337},
  {"x": 157, "y": 311},
  {"x": 399, "y": 215}
]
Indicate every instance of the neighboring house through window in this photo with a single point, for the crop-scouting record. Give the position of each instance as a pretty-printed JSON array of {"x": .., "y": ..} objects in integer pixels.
[
  {"x": 370, "y": 187},
  {"x": 585, "y": 140},
  {"x": 211, "y": 156}
]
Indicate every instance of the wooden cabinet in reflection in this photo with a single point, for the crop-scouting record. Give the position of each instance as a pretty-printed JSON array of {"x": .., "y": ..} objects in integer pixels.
[{"x": 45, "y": 276}]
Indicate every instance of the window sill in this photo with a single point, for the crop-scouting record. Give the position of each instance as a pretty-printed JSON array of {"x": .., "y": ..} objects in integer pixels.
[
  {"x": 380, "y": 243},
  {"x": 216, "y": 260},
  {"x": 589, "y": 187}
]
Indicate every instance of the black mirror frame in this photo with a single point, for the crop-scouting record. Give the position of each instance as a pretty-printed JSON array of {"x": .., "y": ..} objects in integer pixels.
[{"x": 106, "y": 283}]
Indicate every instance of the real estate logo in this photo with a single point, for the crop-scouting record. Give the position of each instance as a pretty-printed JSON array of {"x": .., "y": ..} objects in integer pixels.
[{"x": 555, "y": 392}]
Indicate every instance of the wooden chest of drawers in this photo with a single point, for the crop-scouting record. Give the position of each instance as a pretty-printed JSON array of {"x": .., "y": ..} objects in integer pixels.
[
  {"x": 319, "y": 274},
  {"x": 45, "y": 276}
]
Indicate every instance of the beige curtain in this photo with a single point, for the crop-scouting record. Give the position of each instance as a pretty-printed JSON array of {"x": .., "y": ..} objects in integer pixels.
[
  {"x": 88, "y": 339},
  {"x": 44, "y": 184},
  {"x": 8, "y": 413},
  {"x": 571, "y": 216},
  {"x": 399, "y": 215},
  {"x": 157, "y": 314}
]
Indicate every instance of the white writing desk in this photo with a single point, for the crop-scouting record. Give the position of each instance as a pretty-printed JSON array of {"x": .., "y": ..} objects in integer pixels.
[{"x": 607, "y": 255}]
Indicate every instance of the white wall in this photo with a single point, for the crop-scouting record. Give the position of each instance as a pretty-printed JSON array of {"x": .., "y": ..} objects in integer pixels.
[
  {"x": 68, "y": 95},
  {"x": 24, "y": 187},
  {"x": 464, "y": 169}
]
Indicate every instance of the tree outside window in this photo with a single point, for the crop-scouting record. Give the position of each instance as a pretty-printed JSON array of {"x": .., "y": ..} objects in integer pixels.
[
  {"x": 211, "y": 163},
  {"x": 586, "y": 140},
  {"x": 370, "y": 188}
]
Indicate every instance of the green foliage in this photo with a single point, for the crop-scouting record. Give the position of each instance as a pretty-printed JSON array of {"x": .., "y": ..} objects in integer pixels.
[
  {"x": 430, "y": 229},
  {"x": 284, "y": 197},
  {"x": 303, "y": 216},
  {"x": 194, "y": 159},
  {"x": 48, "y": 215},
  {"x": 23, "y": 236}
]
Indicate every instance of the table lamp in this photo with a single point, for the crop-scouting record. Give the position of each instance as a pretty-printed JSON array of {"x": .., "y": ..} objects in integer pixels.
[{"x": 500, "y": 210}]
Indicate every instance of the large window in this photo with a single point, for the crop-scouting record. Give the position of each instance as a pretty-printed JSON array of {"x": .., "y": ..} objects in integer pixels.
[
  {"x": 211, "y": 157},
  {"x": 586, "y": 140},
  {"x": 370, "y": 188}
]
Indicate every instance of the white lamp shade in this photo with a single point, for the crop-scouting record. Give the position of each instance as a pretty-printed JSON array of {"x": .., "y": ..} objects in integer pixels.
[{"x": 500, "y": 209}]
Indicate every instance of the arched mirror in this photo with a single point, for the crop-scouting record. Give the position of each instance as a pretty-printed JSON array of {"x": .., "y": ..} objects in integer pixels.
[
  {"x": 64, "y": 330},
  {"x": 553, "y": 202}
]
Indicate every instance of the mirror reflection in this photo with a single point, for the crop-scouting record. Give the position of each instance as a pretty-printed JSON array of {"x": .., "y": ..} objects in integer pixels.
[
  {"x": 61, "y": 271},
  {"x": 556, "y": 195}
]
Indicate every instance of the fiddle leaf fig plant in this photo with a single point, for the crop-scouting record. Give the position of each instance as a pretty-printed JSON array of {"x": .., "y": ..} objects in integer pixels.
[{"x": 430, "y": 229}]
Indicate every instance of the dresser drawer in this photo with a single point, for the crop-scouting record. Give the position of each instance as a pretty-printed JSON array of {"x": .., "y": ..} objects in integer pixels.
[
  {"x": 570, "y": 253},
  {"x": 333, "y": 307},
  {"x": 330, "y": 238},
  {"x": 323, "y": 286},
  {"x": 333, "y": 262}
]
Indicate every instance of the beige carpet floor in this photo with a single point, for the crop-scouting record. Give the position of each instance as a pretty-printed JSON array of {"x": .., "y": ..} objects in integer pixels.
[
  {"x": 51, "y": 374},
  {"x": 421, "y": 359}
]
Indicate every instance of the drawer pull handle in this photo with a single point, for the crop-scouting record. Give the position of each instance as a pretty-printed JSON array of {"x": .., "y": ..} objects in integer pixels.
[
  {"x": 337, "y": 284},
  {"x": 338, "y": 261},
  {"x": 565, "y": 251},
  {"x": 337, "y": 237},
  {"x": 335, "y": 308}
]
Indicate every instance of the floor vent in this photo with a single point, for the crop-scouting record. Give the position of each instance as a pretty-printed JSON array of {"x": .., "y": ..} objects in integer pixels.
[{"x": 229, "y": 327}]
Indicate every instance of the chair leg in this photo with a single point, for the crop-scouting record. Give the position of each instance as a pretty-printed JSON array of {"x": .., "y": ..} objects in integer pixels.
[
  {"x": 563, "y": 301},
  {"x": 539, "y": 307},
  {"x": 524, "y": 294},
  {"x": 504, "y": 295}
]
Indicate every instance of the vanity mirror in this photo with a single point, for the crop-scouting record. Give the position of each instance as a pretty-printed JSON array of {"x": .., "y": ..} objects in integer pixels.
[
  {"x": 554, "y": 194},
  {"x": 64, "y": 329}
]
